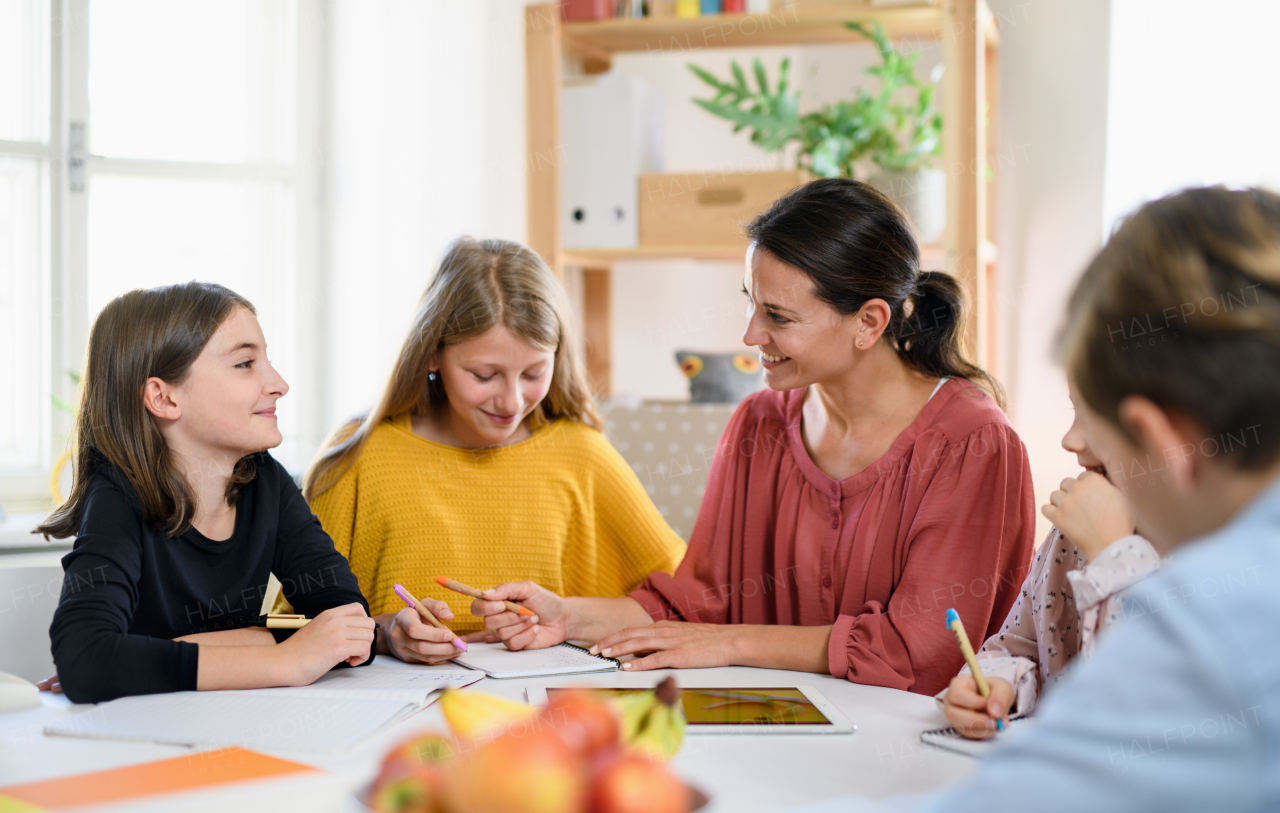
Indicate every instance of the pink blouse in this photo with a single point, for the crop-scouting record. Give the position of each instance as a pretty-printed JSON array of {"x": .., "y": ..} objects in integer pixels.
[{"x": 945, "y": 518}]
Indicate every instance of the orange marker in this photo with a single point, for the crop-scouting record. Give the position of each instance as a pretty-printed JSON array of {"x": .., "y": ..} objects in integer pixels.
[{"x": 459, "y": 587}]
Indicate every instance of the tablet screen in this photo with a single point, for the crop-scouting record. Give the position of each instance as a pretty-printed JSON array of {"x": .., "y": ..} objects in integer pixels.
[{"x": 738, "y": 706}]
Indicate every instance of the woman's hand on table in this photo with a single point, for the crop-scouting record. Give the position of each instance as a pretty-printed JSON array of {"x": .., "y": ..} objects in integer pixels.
[
  {"x": 50, "y": 684},
  {"x": 548, "y": 626},
  {"x": 413, "y": 640},
  {"x": 674, "y": 645},
  {"x": 971, "y": 714}
]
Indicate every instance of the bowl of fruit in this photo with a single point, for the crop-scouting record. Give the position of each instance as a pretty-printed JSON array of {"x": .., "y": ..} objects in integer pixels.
[{"x": 578, "y": 754}]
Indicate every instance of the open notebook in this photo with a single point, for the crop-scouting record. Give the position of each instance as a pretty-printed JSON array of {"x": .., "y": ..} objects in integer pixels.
[
  {"x": 948, "y": 739},
  {"x": 331, "y": 715},
  {"x": 496, "y": 661}
]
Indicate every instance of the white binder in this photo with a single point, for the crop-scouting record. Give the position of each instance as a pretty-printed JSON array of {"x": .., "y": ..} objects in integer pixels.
[{"x": 611, "y": 132}]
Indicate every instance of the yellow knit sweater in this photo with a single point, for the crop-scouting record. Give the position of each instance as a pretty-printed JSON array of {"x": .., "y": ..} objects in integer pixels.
[{"x": 561, "y": 509}]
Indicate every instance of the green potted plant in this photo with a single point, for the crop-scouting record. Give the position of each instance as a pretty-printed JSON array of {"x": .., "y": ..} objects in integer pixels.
[{"x": 889, "y": 138}]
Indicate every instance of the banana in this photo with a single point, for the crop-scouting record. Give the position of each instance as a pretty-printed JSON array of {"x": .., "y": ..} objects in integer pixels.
[
  {"x": 478, "y": 715},
  {"x": 653, "y": 722}
]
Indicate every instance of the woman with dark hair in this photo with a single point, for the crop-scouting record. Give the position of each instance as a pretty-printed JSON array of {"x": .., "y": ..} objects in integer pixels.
[{"x": 872, "y": 486}]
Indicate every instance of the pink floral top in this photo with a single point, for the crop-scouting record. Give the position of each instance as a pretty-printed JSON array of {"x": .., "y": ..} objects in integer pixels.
[{"x": 1065, "y": 602}]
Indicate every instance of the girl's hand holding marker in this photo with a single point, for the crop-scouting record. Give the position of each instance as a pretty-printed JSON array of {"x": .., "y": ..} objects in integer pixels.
[{"x": 417, "y": 635}]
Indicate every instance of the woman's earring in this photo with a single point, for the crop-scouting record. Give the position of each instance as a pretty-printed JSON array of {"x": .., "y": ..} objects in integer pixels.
[
  {"x": 859, "y": 344},
  {"x": 432, "y": 376}
]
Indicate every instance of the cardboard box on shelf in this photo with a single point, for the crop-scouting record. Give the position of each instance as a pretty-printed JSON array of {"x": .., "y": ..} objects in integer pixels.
[{"x": 709, "y": 208}]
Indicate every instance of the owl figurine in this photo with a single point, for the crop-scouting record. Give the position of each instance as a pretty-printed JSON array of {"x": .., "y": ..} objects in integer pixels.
[{"x": 720, "y": 378}]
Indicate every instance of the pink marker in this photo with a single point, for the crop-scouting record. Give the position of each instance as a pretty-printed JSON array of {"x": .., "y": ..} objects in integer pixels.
[{"x": 426, "y": 614}]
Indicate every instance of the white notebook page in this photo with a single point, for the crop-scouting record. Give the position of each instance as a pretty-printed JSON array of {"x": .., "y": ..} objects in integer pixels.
[
  {"x": 499, "y": 662},
  {"x": 341, "y": 708},
  {"x": 311, "y": 723},
  {"x": 386, "y": 682}
]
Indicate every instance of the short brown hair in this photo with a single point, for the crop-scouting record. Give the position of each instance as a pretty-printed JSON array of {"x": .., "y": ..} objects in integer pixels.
[
  {"x": 1182, "y": 306},
  {"x": 156, "y": 333}
]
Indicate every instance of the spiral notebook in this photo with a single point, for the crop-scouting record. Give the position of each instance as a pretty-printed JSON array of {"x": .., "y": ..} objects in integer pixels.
[
  {"x": 949, "y": 739},
  {"x": 496, "y": 661}
]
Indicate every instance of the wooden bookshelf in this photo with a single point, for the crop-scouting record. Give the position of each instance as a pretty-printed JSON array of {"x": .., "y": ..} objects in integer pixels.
[{"x": 970, "y": 44}]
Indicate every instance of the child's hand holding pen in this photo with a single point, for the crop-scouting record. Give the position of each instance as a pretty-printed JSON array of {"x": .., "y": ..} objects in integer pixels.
[
  {"x": 413, "y": 638},
  {"x": 971, "y": 714}
]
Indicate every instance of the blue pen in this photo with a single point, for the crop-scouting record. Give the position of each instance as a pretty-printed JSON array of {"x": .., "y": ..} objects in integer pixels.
[{"x": 953, "y": 624}]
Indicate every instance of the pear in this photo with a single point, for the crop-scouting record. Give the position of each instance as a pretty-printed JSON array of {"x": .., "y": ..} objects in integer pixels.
[{"x": 478, "y": 717}]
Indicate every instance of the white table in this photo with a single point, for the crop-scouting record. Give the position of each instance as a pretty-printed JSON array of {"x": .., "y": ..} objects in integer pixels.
[{"x": 741, "y": 773}]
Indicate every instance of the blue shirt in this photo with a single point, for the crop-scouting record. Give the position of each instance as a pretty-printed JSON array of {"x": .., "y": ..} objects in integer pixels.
[{"x": 1178, "y": 709}]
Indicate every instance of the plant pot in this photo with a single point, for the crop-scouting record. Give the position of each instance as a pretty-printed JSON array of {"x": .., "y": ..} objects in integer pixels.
[{"x": 922, "y": 194}]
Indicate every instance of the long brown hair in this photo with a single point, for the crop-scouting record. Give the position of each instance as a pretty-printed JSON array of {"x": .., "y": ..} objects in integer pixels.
[
  {"x": 856, "y": 245},
  {"x": 156, "y": 333},
  {"x": 1182, "y": 306},
  {"x": 480, "y": 283}
]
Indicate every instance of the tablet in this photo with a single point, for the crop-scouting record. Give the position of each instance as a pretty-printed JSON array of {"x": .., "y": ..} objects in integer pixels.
[{"x": 781, "y": 710}]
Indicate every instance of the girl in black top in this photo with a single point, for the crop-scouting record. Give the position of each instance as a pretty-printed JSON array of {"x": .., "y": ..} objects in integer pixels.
[{"x": 180, "y": 515}]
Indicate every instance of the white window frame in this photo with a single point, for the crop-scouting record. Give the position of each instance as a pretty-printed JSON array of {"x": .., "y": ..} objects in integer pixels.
[{"x": 65, "y": 248}]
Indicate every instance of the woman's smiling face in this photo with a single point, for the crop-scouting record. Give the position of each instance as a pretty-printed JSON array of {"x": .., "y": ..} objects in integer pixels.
[{"x": 802, "y": 340}]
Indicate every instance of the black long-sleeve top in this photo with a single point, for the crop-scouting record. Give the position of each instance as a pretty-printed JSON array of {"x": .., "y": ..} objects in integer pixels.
[{"x": 128, "y": 590}]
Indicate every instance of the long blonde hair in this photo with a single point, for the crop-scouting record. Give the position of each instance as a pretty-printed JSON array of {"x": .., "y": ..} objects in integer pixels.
[{"x": 480, "y": 284}]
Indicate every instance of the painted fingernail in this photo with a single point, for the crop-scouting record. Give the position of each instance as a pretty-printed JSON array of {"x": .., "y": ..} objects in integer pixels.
[
  {"x": 594, "y": 650},
  {"x": 607, "y": 651},
  {"x": 625, "y": 665},
  {"x": 535, "y": 627}
]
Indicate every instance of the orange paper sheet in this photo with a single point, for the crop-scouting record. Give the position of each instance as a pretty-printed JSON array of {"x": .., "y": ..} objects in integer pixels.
[{"x": 201, "y": 770}]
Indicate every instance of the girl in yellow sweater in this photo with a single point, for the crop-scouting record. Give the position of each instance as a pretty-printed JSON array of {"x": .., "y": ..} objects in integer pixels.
[{"x": 483, "y": 461}]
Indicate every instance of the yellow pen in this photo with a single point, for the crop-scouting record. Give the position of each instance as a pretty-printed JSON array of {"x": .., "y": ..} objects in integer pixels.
[{"x": 953, "y": 624}]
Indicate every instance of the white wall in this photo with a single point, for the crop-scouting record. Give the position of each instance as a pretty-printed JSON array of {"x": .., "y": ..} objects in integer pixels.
[
  {"x": 1192, "y": 98},
  {"x": 424, "y": 142},
  {"x": 1053, "y": 107}
]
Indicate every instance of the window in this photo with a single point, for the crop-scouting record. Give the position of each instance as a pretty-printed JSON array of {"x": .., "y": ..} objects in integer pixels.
[
  {"x": 1189, "y": 99},
  {"x": 26, "y": 163},
  {"x": 141, "y": 144}
]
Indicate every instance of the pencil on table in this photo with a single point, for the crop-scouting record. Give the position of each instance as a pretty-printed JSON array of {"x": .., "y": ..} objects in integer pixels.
[
  {"x": 286, "y": 621},
  {"x": 426, "y": 615},
  {"x": 953, "y": 623},
  {"x": 459, "y": 587}
]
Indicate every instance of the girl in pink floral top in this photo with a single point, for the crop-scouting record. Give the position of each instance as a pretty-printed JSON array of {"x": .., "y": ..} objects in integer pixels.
[{"x": 1072, "y": 593}]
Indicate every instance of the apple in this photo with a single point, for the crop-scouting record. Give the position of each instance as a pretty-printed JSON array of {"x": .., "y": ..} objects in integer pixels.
[
  {"x": 637, "y": 784},
  {"x": 417, "y": 751},
  {"x": 522, "y": 772},
  {"x": 408, "y": 794},
  {"x": 410, "y": 778},
  {"x": 585, "y": 723}
]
